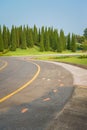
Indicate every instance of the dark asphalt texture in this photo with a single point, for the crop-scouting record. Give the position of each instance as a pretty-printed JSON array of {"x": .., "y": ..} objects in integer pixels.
[
  {"x": 17, "y": 73},
  {"x": 37, "y": 105}
]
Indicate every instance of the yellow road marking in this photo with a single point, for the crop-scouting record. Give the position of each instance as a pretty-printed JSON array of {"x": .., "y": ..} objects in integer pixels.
[
  {"x": 22, "y": 87},
  {"x": 5, "y": 64}
]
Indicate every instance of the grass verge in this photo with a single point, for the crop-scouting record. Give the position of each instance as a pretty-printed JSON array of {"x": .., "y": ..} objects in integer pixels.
[
  {"x": 31, "y": 51},
  {"x": 75, "y": 60},
  {"x": 26, "y": 52},
  {"x": 80, "y": 61}
]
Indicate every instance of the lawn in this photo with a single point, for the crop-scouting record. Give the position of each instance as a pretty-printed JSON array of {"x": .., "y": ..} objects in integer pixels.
[
  {"x": 27, "y": 52},
  {"x": 31, "y": 51},
  {"x": 80, "y": 60},
  {"x": 75, "y": 60}
]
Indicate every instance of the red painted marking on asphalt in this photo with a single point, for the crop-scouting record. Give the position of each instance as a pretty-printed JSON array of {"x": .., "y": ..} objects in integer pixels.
[
  {"x": 61, "y": 84},
  {"x": 48, "y": 79},
  {"x": 59, "y": 80},
  {"x": 46, "y": 99},
  {"x": 24, "y": 110},
  {"x": 55, "y": 90}
]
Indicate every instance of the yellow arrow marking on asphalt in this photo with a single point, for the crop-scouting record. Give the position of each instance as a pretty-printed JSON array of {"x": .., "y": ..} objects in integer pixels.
[
  {"x": 5, "y": 64},
  {"x": 22, "y": 87}
]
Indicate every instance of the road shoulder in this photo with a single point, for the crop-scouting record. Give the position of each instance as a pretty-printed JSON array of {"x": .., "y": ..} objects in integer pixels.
[{"x": 74, "y": 114}]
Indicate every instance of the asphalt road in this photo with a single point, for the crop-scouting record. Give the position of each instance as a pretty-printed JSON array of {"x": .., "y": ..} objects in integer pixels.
[{"x": 35, "y": 106}]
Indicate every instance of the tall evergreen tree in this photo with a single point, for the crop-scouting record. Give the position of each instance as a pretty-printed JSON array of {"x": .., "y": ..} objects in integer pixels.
[
  {"x": 8, "y": 35},
  {"x": 42, "y": 40},
  {"x": 30, "y": 40},
  {"x": 13, "y": 39},
  {"x": 1, "y": 41},
  {"x": 56, "y": 39},
  {"x": 39, "y": 35},
  {"x": 60, "y": 48},
  {"x": 73, "y": 43},
  {"x": 35, "y": 35},
  {"x": 85, "y": 33},
  {"x": 27, "y": 36},
  {"x": 62, "y": 40},
  {"x": 42, "y": 43},
  {"x": 23, "y": 45},
  {"x": 68, "y": 42},
  {"x": 51, "y": 38},
  {"x": 46, "y": 40},
  {"x": 17, "y": 37},
  {"x": 5, "y": 37},
  {"x": 20, "y": 36}
]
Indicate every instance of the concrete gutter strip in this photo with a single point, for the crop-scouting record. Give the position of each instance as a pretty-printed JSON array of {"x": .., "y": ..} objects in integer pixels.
[
  {"x": 74, "y": 114},
  {"x": 79, "y": 74}
]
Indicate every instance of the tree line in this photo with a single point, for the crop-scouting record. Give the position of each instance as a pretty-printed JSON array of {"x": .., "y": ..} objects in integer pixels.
[{"x": 46, "y": 38}]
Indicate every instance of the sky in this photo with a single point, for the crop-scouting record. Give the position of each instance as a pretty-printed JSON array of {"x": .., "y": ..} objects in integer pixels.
[{"x": 69, "y": 15}]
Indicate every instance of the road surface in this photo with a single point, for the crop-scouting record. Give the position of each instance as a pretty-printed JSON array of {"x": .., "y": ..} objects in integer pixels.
[{"x": 31, "y": 93}]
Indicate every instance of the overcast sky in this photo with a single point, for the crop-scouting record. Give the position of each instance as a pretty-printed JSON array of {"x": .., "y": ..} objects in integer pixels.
[{"x": 69, "y": 15}]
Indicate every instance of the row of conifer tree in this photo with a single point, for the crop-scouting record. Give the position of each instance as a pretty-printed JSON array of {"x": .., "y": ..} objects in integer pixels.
[{"x": 46, "y": 38}]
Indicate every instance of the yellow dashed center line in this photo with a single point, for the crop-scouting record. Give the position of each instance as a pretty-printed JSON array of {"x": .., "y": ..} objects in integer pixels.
[
  {"x": 5, "y": 64},
  {"x": 22, "y": 87}
]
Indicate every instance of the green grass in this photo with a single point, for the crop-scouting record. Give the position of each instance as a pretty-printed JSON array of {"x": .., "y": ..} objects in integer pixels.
[
  {"x": 21, "y": 52},
  {"x": 28, "y": 51},
  {"x": 75, "y": 60}
]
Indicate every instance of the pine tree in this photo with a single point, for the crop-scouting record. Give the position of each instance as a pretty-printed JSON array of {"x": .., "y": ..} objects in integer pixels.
[
  {"x": 30, "y": 42},
  {"x": 9, "y": 40},
  {"x": 42, "y": 40},
  {"x": 73, "y": 43},
  {"x": 85, "y": 33},
  {"x": 13, "y": 39},
  {"x": 62, "y": 40},
  {"x": 60, "y": 48},
  {"x": 17, "y": 37},
  {"x": 42, "y": 43},
  {"x": 56, "y": 39},
  {"x": 35, "y": 35},
  {"x": 27, "y": 36},
  {"x": 52, "y": 39},
  {"x": 5, "y": 37},
  {"x": 46, "y": 40},
  {"x": 39, "y": 35},
  {"x": 1, "y": 41},
  {"x": 23, "y": 45},
  {"x": 68, "y": 42},
  {"x": 20, "y": 36}
]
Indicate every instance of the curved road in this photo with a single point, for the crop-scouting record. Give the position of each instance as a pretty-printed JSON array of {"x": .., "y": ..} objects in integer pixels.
[{"x": 34, "y": 106}]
